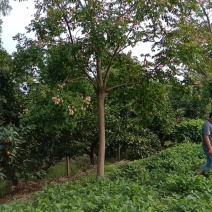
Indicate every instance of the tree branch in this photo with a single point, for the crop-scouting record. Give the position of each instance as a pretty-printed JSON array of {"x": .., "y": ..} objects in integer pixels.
[
  {"x": 208, "y": 19},
  {"x": 109, "y": 66},
  {"x": 202, "y": 71},
  {"x": 121, "y": 85},
  {"x": 90, "y": 79}
]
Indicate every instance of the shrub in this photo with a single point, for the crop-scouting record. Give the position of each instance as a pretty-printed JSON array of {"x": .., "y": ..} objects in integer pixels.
[
  {"x": 144, "y": 145},
  {"x": 189, "y": 130},
  {"x": 11, "y": 159},
  {"x": 83, "y": 162}
]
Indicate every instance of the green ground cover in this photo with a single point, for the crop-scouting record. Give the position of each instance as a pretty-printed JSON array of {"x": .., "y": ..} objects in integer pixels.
[{"x": 161, "y": 183}]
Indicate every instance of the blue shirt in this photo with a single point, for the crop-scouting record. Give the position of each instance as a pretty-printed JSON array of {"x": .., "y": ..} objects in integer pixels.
[{"x": 207, "y": 130}]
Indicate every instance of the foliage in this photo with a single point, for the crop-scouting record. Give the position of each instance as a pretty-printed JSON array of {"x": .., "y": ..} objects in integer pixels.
[
  {"x": 22, "y": 156},
  {"x": 105, "y": 30},
  {"x": 77, "y": 165},
  {"x": 191, "y": 98},
  {"x": 4, "y": 188},
  {"x": 11, "y": 157},
  {"x": 47, "y": 69},
  {"x": 85, "y": 134},
  {"x": 163, "y": 117},
  {"x": 124, "y": 131},
  {"x": 9, "y": 95},
  {"x": 80, "y": 163},
  {"x": 186, "y": 46},
  {"x": 145, "y": 144},
  {"x": 131, "y": 111},
  {"x": 162, "y": 183},
  {"x": 189, "y": 130},
  {"x": 2, "y": 175}
]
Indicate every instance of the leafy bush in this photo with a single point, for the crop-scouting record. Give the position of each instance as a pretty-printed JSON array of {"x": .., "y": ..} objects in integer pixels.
[
  {"x": 143, "y": 145},
  {"x": 140, "y": 143},
  {"x": 82, "y": 162},
  {"x": 18, "y": 158},
  {"x": 11, "y": 160},
  {"x": 189, "y": 130}
]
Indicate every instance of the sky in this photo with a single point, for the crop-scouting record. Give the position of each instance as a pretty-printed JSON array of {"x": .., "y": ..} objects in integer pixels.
[{"x": 21, "y": 16}]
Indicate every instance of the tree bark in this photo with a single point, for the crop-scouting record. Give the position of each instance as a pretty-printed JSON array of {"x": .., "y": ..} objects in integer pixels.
[
  {"x": 68, "y": 166},
  {"x": 126, "y": 152},
  {"x": 101, "y": 119},
  {"x": 118, "y": 151},
  {"x": 92, "y": 159},
  {"x": 90, "y": 152},
  {"x": 15, "y": 181}
]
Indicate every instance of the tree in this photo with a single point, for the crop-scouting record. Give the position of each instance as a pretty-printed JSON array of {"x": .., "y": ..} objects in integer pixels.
[
  {"x": 185, "y": 47},
  {"x": 96, "y": 32},
  {"x": 53, "y": 102}
]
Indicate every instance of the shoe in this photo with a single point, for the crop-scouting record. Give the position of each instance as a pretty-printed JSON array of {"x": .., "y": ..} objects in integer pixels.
[{"x": 200, "y": 172}]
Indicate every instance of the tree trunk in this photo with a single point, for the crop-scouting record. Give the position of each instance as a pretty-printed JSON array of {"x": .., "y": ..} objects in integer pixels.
[
  {"x": 68, "y": 166},
  {"x": 162, "y": 143},
  {"x": 101, "y": 119},
  {"x": 90, "y": 152},
  {"x": 92, "y": 159},
  {"x": 15, "y": 181},
  {"x": 118, "y": 151},
  {"x": 126, "y": 152}
]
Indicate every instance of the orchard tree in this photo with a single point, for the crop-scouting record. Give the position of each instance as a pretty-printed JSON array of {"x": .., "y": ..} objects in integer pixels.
[{"x": 95, "y": 33}]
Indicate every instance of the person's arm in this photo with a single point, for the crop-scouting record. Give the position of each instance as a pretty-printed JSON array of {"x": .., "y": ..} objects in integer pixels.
[{"x": 207, "y": 142}]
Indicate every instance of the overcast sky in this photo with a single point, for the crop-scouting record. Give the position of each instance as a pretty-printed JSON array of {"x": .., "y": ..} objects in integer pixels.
[
  {"x": 15, "y": 22},
  {"x": 21, "y": 16}
]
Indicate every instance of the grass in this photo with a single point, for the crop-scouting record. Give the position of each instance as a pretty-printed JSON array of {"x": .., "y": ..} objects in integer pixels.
[
  {"x": 4, "y": 188},
  {"x": 78, "y": 164}
]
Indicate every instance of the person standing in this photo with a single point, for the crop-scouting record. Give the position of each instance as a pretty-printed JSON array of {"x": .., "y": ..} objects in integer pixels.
[{"x": 207, "y": 145}]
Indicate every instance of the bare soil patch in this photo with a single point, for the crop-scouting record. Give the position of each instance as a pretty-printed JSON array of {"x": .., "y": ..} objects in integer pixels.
[{"x": 25, "y": 190}]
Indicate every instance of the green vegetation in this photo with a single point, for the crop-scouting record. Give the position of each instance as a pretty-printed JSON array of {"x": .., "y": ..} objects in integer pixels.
[
  {"x": 76, "y": 165},
  {"x": 65, "y": 94},
  {"x": 4, "y": 188},
  {"x": 189, "y": 130},
  {"x": 163, "y": 182}
]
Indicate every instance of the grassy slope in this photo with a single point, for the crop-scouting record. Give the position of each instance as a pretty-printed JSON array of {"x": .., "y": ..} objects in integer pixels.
[{"x": 163, "y": 182}]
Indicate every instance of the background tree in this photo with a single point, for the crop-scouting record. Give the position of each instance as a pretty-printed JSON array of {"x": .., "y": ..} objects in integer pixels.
[
  {"x": 53, "y": 102},
  {"x": 185, "y": 47}
]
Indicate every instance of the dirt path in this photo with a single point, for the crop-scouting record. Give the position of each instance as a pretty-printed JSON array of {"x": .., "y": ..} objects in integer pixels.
[{"x": 26, "y": 190}]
